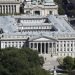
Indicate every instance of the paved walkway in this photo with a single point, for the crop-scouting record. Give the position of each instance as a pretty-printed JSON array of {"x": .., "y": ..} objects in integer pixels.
[{"x": 50, "y": 62}]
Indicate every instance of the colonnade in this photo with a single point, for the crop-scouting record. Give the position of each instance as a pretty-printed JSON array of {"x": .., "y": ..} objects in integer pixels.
[
  {"x": 7, "y": 9},
  {"x": 43, "y": 47}
]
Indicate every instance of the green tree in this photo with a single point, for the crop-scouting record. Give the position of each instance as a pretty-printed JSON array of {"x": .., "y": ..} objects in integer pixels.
[
  {"x": 68, "y": 63},
  {"x": 61, "y": 11},
  {"x": 15, "y": 61}
]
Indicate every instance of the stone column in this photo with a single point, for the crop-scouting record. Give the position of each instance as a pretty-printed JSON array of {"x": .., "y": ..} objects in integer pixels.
[
  {"x": 66, "y": 45},
  {"x": 29, "y": 45},
  {"x": 33, "y": 45},
  {"x": 11, "y": 9},
  {"x": 41, "y": 48},
  {"x": 8, "y": 9},
  {"x": 37, "y": 46},
  {"x": 56, "y": 47},
  {"x": 73, "y": 46},
  {"x": 59, "y": 46},
  {"x": 48, "y": 47},
  {"x": 44, "y": 47},
  {"x": 2, "y": 9},
  {"x": 63, "y": 46},
  {"x": 52, "y": 48},
  {"x": 5, "y": 9}
]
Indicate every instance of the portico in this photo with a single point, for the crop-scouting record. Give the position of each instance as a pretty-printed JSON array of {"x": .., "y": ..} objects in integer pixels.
[
  {"x": 7, "y": 9},
  {"x": 43, "y": 45},
  {"x": 9, "y": 6}
]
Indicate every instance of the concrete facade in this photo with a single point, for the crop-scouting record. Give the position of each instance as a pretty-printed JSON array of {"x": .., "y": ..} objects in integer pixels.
[
  {"x": 29, "y": 7},
  {"x": 41, "y": 8},
  {"x": 49, "y": 35}
]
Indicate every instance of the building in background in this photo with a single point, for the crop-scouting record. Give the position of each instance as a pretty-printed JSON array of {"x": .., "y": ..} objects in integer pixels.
[
  {"x": 33, "y": 7},
  {"x": 38, "y": 7},
  {"x": 9, "y": 6}
]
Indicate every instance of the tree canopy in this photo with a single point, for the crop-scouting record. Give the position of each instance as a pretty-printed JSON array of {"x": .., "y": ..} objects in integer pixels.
[
  {"x": 61, "y": 11},
  {"x": 15, "y": 61},
  {"x": 68, "y": 63}
]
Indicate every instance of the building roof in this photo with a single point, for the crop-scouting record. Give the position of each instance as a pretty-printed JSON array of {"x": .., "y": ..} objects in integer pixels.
[{"x": 64, "y": 29}]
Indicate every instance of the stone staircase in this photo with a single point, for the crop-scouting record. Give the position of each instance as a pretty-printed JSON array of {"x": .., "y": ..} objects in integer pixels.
[{"x": 50, "y": 62}]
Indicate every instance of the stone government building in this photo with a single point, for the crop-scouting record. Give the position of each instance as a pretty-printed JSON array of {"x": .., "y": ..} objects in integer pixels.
[
  {"x": 43, "y": 7},
  {"x": 9, "y": 6},
  {"x": 39, "y": 28}
]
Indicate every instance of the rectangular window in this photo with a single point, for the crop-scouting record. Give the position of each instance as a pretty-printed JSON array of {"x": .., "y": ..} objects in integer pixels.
[
  {"x": 64, "y": 45},
  {"x": 71, "y": 45},
  {"x": 57, "y": 49},
  {"x": 50, "y": 12},
  {"x": 57, "y": 45},
  {"x": 68, "y": 49},
  {"x": 68, "y": 45},
  {"x": 31, "y": 45},
  {"x": 71, "y": 49},
  {"x": 61, "y": 49},
  {"x": 5, "y": 44},
  {"x": 12, "y": 44}
]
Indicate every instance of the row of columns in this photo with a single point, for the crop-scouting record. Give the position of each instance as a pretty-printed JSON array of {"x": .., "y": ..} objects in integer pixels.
[
  {"x": 7, "y": 9},
  {"x": 43, "y": 47}
]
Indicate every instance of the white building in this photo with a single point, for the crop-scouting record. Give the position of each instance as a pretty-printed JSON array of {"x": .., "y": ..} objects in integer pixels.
[
  {"x": 39, "y": 7},
  {"x": 9, "y": 6},
  {"x": 41, "y": 29},
  {"x": 51, "y": 35},
  {"x": 33, "y": 7}
]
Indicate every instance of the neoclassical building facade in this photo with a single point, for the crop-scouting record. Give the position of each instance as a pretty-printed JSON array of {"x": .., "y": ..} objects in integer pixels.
[
  {"x": 9, "y": 6},
  {"x": 49, "y": 35},
  {"x": 34, "y": 7},
  {"x": 40, "y": 28},
  {"x": 43, "y": 8}
]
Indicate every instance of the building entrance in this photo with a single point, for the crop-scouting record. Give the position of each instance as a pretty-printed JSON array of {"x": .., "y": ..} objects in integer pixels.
[{"x": 37, "y": 12}]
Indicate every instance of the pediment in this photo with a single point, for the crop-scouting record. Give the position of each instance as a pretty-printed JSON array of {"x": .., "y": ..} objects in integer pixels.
[{"x": 43, "y": 39}]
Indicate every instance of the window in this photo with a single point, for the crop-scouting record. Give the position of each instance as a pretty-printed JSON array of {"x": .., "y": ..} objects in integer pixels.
[
  {"x": 50, "y": 12},
  {"x": 61, "y": 49},
  {"x": 64, "y": 45},
  {"x": 5, "y": 44},
  {"x": 61, "y": 45},
  {"x": 68, "y": 49},
  {"x": 68, "y": 45},
  {"x": 31, "y": 45},
  {"x": 71, "y": 49},
  {"x": 12, "y": 44},
  {"x": 57, "y": 45},
  {"x": 54, "y": 44},
  {"x": 37, "y": 12},
  {"x": 19, "y": 45},
  {"x": 57, "y": 49},
  {"x": 71, "y": 45},
  {"x": 64, "y": 54}
]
